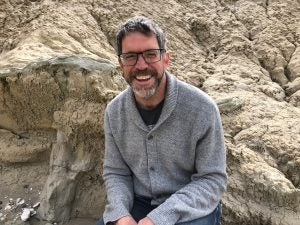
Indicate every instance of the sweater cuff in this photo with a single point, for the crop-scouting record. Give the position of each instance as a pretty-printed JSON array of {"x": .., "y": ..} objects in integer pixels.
[
  {"x": 163, "y": 216},
  {"x": 114, "y": 215}
]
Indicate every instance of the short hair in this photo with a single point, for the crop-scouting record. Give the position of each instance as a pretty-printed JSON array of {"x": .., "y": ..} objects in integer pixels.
[{"x": 143, "y": 25}]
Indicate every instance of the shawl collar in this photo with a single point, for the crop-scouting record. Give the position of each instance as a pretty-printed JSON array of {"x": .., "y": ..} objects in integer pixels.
[{"x": 169, "y": 104}]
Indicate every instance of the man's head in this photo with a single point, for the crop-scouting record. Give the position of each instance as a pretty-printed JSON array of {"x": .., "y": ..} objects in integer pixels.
[
  {"x": 142, "y": 25},
  {"x": 141, "y": 47}
]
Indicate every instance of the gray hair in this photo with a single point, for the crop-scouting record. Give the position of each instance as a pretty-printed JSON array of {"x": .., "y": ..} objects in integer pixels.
[{"x": 143, "y": 25}]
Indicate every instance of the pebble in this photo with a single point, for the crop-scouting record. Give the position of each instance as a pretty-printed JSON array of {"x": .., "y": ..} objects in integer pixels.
[
  {"x": 11, "y": 201},
  {"x": 8, "y": 207},
  {"x": 20, "y": 202},
  {"x": 2, "y": 217},
  {"x": 36, "y": 205},
  {"x": 26, "y": 214}
]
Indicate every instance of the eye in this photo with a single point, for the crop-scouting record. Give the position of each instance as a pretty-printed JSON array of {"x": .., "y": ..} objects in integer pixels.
[
  {"x": 129, "y": 56},
  {"x": 150, "y": 54}
]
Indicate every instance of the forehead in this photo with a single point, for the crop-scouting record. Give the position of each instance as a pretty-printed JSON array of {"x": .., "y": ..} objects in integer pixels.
[{"x": 137, "y": 42}]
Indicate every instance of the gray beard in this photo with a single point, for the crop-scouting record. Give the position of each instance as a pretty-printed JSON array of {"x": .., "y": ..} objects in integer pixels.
[
  {"x": 149, "y": 92},
  {"x": 145, "y": 93}
]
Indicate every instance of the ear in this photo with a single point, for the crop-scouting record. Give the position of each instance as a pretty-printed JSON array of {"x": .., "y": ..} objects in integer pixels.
[{"x": 166, "y": 59}]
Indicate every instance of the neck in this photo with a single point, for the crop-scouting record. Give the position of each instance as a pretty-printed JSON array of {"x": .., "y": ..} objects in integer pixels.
[{"x": 153, "y": 101}]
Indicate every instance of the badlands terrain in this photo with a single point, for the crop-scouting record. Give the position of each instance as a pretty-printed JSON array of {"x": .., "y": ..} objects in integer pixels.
[{"x": 58, "y": 70}]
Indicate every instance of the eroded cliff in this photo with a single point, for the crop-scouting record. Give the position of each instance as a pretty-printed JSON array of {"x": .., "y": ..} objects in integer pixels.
[{"x": 58, "y": 71}]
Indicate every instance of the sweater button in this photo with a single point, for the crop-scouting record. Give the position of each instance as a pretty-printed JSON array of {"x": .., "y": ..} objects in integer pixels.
[
  {"x": 152, "y": 168},
  {"x": 150, "y": 137}
]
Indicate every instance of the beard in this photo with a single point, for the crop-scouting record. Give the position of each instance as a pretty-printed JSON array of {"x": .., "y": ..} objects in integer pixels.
[{"x": 144, "y": 92}]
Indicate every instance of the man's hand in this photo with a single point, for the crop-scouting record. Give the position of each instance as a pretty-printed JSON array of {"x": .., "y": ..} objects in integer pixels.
[
  {"x": 126, "y": 220},
  {"x": 146, "y": 221}
]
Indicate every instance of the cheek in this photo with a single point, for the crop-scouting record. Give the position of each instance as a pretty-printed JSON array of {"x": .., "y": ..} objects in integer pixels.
[
  {"x": 126, "y": 71},
  {"x": 126, "y": 75},
  {"x": 160, "y": 68}
]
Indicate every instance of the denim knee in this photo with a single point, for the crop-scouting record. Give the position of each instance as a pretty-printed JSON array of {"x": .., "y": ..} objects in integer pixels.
[
  {"x": 100, "y": 222},
  {"x": 212, "y": 219}
]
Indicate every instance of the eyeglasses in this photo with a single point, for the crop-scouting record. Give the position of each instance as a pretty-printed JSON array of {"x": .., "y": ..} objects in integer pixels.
[{"x": 150, "y": 56}]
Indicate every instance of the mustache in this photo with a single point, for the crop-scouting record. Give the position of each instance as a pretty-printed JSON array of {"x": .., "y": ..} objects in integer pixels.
[{"x": 143, "y": 72}]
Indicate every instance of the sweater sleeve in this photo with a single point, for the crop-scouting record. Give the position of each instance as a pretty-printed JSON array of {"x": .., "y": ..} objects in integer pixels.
[
  {"x": 117, "y": 178},
  {"x": 202, "y": 195}
]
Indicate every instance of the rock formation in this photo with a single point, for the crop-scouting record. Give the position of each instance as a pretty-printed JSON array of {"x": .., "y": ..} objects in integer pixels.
[{"x": 58, "y": 70}]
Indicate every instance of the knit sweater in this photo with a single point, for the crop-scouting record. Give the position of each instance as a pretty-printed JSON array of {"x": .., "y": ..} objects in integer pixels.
[{"x": 179, "y": 163}]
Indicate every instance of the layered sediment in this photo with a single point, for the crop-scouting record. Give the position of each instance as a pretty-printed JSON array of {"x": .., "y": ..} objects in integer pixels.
[{"x": 58, "y": 70}]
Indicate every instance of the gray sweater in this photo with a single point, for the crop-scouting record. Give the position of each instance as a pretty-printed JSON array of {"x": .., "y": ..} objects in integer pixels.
[{"x": 180, "y": 163}]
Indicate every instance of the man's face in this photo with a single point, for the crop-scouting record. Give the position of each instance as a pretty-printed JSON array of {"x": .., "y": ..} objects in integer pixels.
[{"x": 143, "y": 77}]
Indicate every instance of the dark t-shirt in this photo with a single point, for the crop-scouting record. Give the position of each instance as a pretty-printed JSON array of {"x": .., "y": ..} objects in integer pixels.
[{"x": 151, "y": 116}]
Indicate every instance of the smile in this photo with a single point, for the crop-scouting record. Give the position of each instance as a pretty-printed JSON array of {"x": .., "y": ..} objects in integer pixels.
[{"x": 143, "y": 77}]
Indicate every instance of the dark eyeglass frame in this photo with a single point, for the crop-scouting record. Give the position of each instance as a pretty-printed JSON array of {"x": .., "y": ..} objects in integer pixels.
[{"x": 143, "y": 53}]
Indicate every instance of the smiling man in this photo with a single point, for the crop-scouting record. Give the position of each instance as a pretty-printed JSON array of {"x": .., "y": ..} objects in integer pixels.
[
  {"x": 144, "y": 63},
  {"x": 164, "y": 148}
]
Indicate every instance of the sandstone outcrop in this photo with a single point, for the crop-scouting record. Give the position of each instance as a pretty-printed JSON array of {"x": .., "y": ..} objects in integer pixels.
[{"x": 58, "y": 70}]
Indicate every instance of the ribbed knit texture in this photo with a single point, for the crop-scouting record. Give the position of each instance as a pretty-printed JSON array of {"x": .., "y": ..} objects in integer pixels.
[{"x": 180, "y": 163}]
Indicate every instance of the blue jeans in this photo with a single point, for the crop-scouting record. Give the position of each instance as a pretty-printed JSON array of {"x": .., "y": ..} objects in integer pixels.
[{"x": 142, "y": 206}]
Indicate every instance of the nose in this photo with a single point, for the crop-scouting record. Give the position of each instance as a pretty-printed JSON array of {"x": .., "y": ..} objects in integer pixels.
[{"x": 141, "y": 63}]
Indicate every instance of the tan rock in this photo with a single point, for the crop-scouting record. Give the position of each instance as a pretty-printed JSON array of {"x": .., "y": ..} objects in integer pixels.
[{"x": 57, "y": 73}]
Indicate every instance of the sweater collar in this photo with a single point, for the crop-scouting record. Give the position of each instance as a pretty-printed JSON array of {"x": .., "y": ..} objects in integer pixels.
[{"x": 169, "y": 105}]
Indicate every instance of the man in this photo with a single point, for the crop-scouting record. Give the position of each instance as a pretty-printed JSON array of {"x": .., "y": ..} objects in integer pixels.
[{"x": 164, "y": 148}]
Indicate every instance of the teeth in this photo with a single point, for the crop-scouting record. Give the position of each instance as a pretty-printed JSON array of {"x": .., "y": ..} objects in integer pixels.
[{"x": 143, "y": 77}]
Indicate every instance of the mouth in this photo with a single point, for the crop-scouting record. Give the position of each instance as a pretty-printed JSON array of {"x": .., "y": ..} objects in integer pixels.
[{"x": 143, "y": 77}]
